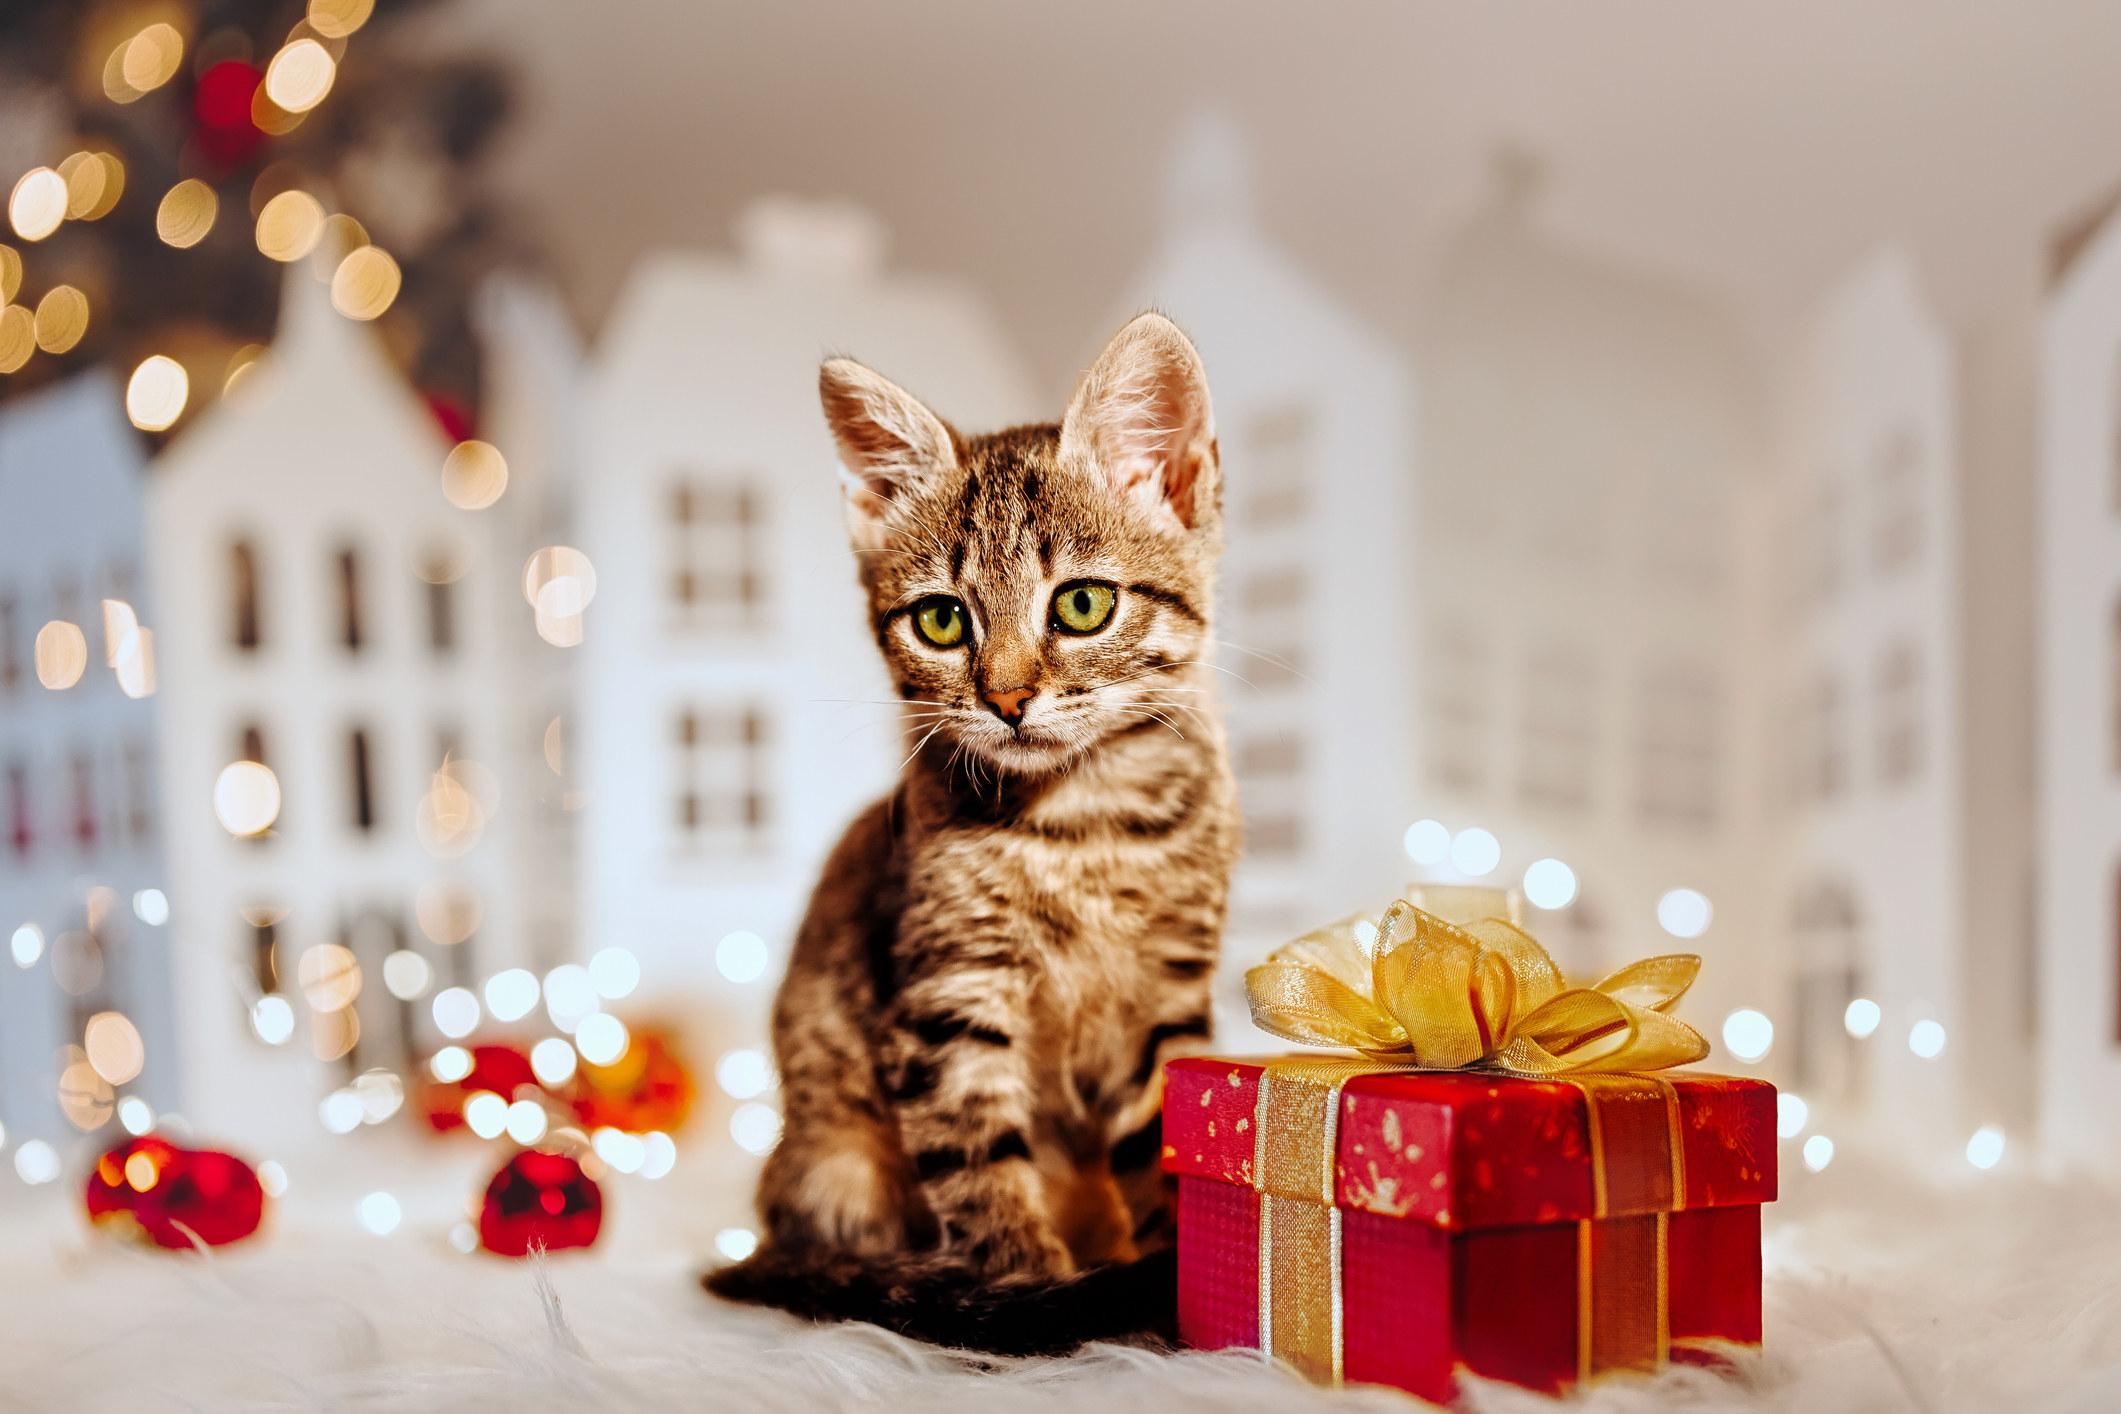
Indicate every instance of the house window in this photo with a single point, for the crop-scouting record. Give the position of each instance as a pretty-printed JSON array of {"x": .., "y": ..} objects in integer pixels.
[
  {"x": 243, "y": 597},
  {"x": 139, "y": 792},
  {"x": 717, "y": 574},
  {"x": 1558, "y": 729},
  {"x": 2115, "y": 651},
  {"x": 722, "y": 805},
  {"x": 1278, "y": 452},
  {"x": 1676, "y": 745},
  {"x": 1822, "y": 558},
  {"x": 84, "y": 800},
  {"x": 10, "y": 647},
  {"x": 254, "y": 745},
  {"x": 1828, "y": 935},
  {"x": 21, "y": 834},
  {"x": 1899, "y": 713},
  {"x": 264, "y": 951},
  {"x": 1457, "y": 693},
  {"x": 1896, "y": 506},
  {"x": 350, "y": 599},
  {"x": 1825, "y": 740},
  {"x": 441, "y": 616},
  {"x": 1273, "y": 835},
  {"x": 361, "y": 787}
]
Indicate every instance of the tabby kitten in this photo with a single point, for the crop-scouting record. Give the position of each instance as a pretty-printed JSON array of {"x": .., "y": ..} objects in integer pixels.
[{"x": 1004, "y": 950}]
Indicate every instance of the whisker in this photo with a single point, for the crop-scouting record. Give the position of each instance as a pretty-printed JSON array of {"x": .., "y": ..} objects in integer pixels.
[{"x": 917, "y": 747}]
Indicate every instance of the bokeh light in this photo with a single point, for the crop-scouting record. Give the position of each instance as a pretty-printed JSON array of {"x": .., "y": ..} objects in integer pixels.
[
  {"x": 152, "y": 58},
  {"x": 300, "y": 75},
  {"x": 659, "y": 1154},
  {"x": 474, "y": 474},
  {"x": 380, "y": 1092},
  {"x": 289, "y": 225},
  {"x": 448, "y": 910},
  {"x": 741, "y": 957},
  {"x": 62, "y": 319},
  {"x": 62, "y": 654},
  {"x": 736, "y": 1243},
  {"x": 486, "y": 1114},
  {"x": 273, "y": 1018},
  {"x": 272, "y": 1177},
  {"x": 114, "y": 1046},
  {"x": 10, "y": 273},
  {"x": 744, "y": 1074},
  {"x": 341, "y": 1111},
  {"x": 1926, "y": 1039},
  {"x": 157, "y": 392},
  {"x": 614, "y": 972},
  {"x": 1748, "y": 1034},
  {"x": 450, "y": 1064},
  {"x": 335, "y": 19},
  {"x": 366, "y": 284},
  {"x": 601, "y": 1039},
  {"x": 329, "y": 975},
  {"x": 151, "y": 906},
  {"x": 186, "y": 213},
  {"x": 246, "y": 798},
  {"x": 552, "y": 1060},
  {"x": 37, "y": 1162},
  {"x": 380, "y": 1214},
  {"x": 526, "y": 1121},
  {"x": 94, "y": 182},
  {"x": 406, "y": 975},
  {"x": 1427, "y": 842},
  {"x": 1549, "y": 883},
  {"x": 38, "y": 203},
  {"x": 510, "y": 995},
  {"x": 456, "y": 1012},
  {"x": 1792, "y": 1114},
  {"x": 1862, "y": 1017},
  {"x": 85, "y": 1098},
  {"x": 18, "y": 337},
  {"x": 1475, "y": 853},
  {"x": 755, "y": 1127},
  {"x": 1684, "y": 913},
  {"x": 1985, "y": 1149},
  {"x": 26, "y": 945},
  {"x": 1818, "y": 1152},
  {"x": 136, "y": 1115},
  {"x": 570, "y": 995},
  {"x": 621, "y": 1150}
]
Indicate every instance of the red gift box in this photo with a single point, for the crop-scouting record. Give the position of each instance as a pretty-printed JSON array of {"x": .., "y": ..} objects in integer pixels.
[{"x": 1540, "y": 1231}]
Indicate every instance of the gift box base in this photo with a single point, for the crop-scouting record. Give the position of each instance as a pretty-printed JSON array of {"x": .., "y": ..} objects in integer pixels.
[{"x": 1419, "y": 1302}]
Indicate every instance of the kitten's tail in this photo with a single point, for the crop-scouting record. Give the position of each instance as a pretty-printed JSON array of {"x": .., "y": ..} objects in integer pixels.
[{"x": 949, "y": 1306}]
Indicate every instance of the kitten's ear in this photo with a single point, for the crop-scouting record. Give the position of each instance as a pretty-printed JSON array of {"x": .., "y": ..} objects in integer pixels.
[
  {"x": 1142, "y": 418},
  {"x": 887, "y": 439}
]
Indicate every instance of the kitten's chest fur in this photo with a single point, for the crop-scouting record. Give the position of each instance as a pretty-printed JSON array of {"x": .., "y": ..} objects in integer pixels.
[{"x": 1109, "y": 885}]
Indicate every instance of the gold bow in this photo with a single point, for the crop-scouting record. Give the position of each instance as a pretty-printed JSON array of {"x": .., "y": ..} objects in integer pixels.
[{"x": 1411, "y": 987}]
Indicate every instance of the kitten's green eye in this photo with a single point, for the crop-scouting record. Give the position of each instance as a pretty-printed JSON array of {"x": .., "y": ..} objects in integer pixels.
[
  {"x": 1083, "y": 608},
  {"x": 941, "y": 622}
]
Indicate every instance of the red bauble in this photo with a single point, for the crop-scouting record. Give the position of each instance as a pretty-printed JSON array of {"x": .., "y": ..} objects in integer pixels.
[
  {"x": 221, "y": 102},
  {"x": 501, "y": 1069},
  {"x": 539, "y": 1200},
  {"x": 214, "y": 1195},
  {"x": 646, "y": 1088}
]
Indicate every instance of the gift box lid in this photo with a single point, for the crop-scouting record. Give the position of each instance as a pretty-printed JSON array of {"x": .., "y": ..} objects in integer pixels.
[{"x": 1465, "y": 1150}]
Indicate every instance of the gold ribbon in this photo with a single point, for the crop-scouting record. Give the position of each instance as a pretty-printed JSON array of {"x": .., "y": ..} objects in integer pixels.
[
  {"x": 1413, "y": 988},
  {"x": 1637, "y": 1179}
]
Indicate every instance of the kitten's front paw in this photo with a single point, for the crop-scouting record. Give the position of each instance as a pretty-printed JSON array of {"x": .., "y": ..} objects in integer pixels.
[{"x": 1025, "y": 1252}]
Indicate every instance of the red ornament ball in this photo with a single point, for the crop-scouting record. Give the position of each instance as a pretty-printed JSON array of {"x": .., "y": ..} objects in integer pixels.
[
  {"x": 149, "y": 1190},
  {"x": 540, "y": 1200},
  {"x": 501, "y": 1069}
]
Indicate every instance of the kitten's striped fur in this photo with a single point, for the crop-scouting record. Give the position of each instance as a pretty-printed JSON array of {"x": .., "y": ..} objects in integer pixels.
[{"x": 1002, "y": 951}]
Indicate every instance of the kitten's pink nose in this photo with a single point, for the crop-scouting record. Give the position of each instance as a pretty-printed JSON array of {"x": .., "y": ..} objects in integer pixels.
[{"x": 1009, "y": 703}]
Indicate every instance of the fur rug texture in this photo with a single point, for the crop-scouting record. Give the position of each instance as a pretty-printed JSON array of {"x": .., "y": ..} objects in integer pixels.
[{"x": 1990, "y": 1292}]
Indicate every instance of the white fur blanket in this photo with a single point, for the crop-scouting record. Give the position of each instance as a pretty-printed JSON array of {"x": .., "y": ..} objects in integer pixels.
[{"x": 1994, "y": 1292}]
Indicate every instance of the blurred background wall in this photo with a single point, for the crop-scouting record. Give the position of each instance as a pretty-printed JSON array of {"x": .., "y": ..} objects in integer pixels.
[{"x": 1640, "y": 421}]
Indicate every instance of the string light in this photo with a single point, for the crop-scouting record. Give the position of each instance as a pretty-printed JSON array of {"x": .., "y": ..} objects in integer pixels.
[
  {"x": 474, "y": 474},
  {"x": 246, "y": 798},
  {"x": 1862, "y": 1018},
  {"x": 456, "y": 1013},
  {"x": 736, "y": 1243},
  {"x": 300, "y": 75},
  {"x": 1985, "y": 1150},
  {"x": 1926, "y": 1039},
  {"x": 741, "y": 957},
  {"x": 614, "y": 972},
  {"x": 114, "y": 1046},
  {"x": 552, "y": 1060},
  {"x": 94, "y": 182},
  {"x": 1549, "y": 883},
  {"x": 1475, "y": 853},
  {"x": 380, "y": 1214},
  {"x": 602, "y": 1039},
  {"x": 273, "y": 1019},
  {"x": 1748, "y": 1034},
  {"x": 26, "y": 945},
  {"x": 62, "y": 654},
  {"x": 1427, "y": 842},
  {"x": 136, "y": 1115},
  {"x": 1818, "y": 1152},
  {"x": 510, "y": 995},
  {"x": 659, "y": 1154},
  {"x": 1684, "y": 913},
  {"x": 335, "y": 19},
  {"x": 10, "y": 273},
  {"x": 406, "y": 975},
  {"x": 151, "y": 906},
  {"x": 290, "y": 225},
  {"x": 450, "y": 1064},
  {"x": 152, "y": 58}
]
